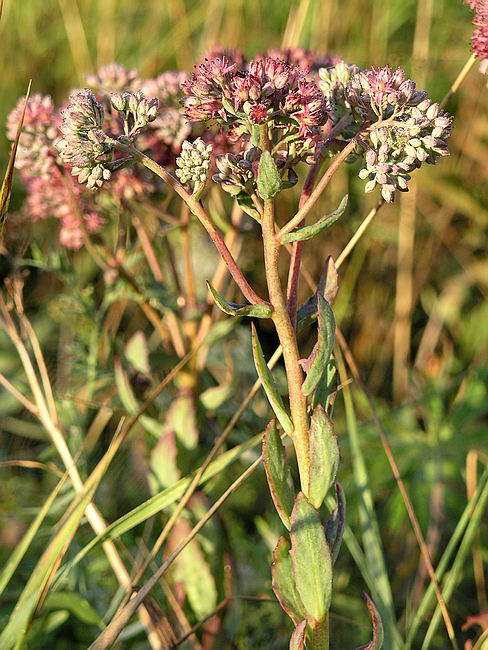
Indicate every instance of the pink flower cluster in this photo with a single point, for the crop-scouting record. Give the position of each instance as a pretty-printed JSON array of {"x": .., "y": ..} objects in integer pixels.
[
  {"x": 51, "y": 190},
  {"x": 479, "y": 40},
  {"x": 267, "y": 90}
]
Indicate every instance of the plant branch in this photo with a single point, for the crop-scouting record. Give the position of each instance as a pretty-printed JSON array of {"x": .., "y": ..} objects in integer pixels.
[{"x": 199, "y": 211}]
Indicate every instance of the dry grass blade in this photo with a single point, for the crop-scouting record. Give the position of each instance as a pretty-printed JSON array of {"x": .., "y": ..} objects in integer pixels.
[{"x": 6, "y": 190}]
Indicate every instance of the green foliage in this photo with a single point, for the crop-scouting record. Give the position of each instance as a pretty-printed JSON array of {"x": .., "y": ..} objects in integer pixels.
[
  {"x": 307, "y": 232},
  {"x": 269, "y": 181}
]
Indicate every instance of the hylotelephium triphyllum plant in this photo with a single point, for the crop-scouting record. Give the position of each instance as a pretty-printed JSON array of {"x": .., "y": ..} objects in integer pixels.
[{"x": 274, "y": 114}]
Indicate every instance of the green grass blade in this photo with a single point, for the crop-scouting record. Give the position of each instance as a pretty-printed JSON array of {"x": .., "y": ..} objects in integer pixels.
[
  {"x": 455, "y": 573},
  {"x": 157, "y": 503},
  {"x": 21, "y": 549},
  {"x": 429, "y": 595},
  {"x": 14, "y": 633},
  {"x": 6, "y": 189},
  {"x": 372, "y": 545}
]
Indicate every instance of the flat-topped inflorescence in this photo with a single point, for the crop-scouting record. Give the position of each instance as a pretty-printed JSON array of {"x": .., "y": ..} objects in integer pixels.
[{"x": 267, "y": 91}]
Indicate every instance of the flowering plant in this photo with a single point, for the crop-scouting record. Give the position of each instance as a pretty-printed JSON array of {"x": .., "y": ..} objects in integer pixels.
[{"x": 250, "y": 127}]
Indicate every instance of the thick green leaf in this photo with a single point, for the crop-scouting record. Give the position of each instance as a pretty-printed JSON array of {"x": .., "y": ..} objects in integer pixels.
[
  {"x": 269, "y": 385},
  {"x": 307, "y": 232},
  {"x": 324, "y": 456},
  {"x": 278, "y": 473},
  {"x": 297, "y": 639},
  {"x": 269, "y": 181},
  {"x": 334, "y": 526},
  {"x": 157, "y": 503},
  {"x": 6, "y": 189},
  {"x": 233, "y": 309},
  {"x": 311, "y": 559},
  {"x": 376, "y": 642},
  {"x": 137, "y": 352},
  {"x": 283, "y": 582},
  {"x": 192, "y": 570},
  {"x": 325, "y": 345}
]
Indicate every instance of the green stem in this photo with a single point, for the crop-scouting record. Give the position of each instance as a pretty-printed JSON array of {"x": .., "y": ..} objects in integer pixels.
[
  {"x": 287, "y": 337},
  {"x": 320, "y": 635}
]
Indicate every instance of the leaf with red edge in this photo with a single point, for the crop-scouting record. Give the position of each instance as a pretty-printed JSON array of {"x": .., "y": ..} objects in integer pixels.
[
  {"x": 297, "y": 639},
  {"x": 376, "y": 642},
  {"x": 278, "y": 473},
  {"x": 283, "y": 582}
]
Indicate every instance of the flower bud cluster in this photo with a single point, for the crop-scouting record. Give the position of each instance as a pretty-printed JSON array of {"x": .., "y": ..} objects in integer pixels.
[
  {"x": 268, "y": 91},
  {"x": 382, "y": 93},
  {"x": 237, "y": 172},
  {"x": 84, "y": 145},
  {"x": 35, "y": 155},
  {"x": 333, "y": 82},
  {"x": 398, "y": 148},
  {"x": 136, "y": 110},
  {"x": 193, "y": 163}
]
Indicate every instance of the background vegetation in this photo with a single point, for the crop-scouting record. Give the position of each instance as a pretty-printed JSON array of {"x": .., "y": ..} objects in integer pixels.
[{"x": 411, "y": 306}]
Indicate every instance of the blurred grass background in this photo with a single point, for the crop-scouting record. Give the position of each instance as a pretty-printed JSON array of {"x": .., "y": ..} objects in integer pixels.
[{"x": 412, "y": 302}]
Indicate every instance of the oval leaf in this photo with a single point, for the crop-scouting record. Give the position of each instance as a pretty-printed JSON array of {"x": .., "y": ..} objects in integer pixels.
[
  {"x": 283, "y": 583},
  {"x": 269, "y": 181},
  {"x": 297, "y": 639},
  {"x": 233, "y": 309},
  {"x": 269, "y": 385},
  {"x": 311, "y": 559},
  {"x": 324, "y": 456},
  {"x": 325, "y": 344},
  {"x": 278, "y": 473},
  {"x": 307, "y": 232}
]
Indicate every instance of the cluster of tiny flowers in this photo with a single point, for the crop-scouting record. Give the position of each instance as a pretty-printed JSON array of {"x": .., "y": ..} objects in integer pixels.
[
  {"x": 84, "y": 145},
  {"x": 136, "y": 111},
  {"x": 114, "y": 78},
  {"x": 479, "y": 39},
  {"x": 193, "y": 163},
  {"x": 39, "y": 131},
  {"x": 382, "y": 93},
  {"x": 170, "y": 126},
  {"x": 266, "y": 91},
  {"x": 398, "y": 148},
  {"x": 333, "y": 81},
  {"x": 50, "y": 193}
]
